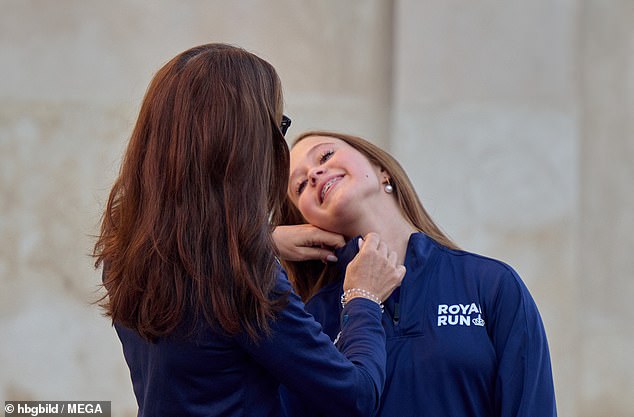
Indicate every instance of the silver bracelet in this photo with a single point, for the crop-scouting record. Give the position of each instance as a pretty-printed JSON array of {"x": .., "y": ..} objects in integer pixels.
[{"x": 358, "y": 292}]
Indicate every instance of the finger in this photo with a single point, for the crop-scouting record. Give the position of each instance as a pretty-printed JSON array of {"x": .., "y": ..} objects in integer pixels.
[
  {"x": 326, "y": 238},
  {"x": 392, "y": 257},
  {"x": 401, "y": 271},
  {"x": 331, "y": 258},
  {"x": 383, "y": 249},
  {"x": 372, "y": 240},
  {"x": 308, "y": 254}
]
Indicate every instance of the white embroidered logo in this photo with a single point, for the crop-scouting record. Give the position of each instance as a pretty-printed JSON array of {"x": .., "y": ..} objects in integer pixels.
[{"x": 459, "y": 315}]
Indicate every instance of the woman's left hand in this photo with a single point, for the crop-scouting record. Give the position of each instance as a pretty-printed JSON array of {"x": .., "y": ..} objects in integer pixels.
[{"x": 304, "y": 242}]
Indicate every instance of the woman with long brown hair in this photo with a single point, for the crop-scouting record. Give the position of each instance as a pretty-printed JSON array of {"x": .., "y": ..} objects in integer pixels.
[
  {"x": 206, "y": 317},
  {"x": 464, "y": 336}
]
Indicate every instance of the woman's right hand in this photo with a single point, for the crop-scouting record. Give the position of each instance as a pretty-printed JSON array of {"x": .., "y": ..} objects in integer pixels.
[{"x": 374, "y": 269}]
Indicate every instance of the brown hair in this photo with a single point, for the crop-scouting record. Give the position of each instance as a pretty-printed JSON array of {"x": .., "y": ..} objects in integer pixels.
[
  {"x": 186, "y": 227},
  {"x": 310, "y": 276}
]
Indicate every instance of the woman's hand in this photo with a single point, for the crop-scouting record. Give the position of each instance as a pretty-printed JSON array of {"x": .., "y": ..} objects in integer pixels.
[
  {"x": 374, "y": 269},
  {"x": 303, "y": 242}
]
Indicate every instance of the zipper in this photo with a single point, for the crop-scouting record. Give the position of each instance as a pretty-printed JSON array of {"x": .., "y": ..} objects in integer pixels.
[
  {"x": 397, "y": 313},
  {"x": 394, "y": 311}
]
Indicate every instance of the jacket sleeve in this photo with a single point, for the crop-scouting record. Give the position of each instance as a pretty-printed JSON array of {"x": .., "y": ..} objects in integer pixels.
[
  {"x": 346, "y": 382},
  {"x": 524, "y": 383}
]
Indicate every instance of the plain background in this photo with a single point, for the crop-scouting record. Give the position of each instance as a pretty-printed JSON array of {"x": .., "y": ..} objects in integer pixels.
[{"x": 513, "y": 119}]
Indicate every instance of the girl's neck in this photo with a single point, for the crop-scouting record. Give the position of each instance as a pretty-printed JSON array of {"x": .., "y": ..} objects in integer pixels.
[{"x": 395, "y": 232}]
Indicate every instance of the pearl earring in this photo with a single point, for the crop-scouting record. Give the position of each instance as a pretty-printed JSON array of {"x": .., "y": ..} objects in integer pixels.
[{"x": 388, "y": 188}]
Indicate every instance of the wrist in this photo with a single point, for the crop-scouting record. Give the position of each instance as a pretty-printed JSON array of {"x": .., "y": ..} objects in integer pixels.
[{"x": 352, "y": 293}]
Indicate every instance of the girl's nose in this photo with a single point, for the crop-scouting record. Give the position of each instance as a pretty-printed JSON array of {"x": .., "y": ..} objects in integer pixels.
[{"x": 315, "y": 173}]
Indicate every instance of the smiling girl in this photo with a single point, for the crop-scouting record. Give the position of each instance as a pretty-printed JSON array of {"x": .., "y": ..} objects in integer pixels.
[{"x": 464, "y": 336}]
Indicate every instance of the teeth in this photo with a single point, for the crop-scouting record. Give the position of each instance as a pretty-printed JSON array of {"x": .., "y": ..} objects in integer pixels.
[{"x": 327, "y": 187}]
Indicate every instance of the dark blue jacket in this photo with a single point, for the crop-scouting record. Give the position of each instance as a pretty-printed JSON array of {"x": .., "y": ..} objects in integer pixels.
[
  {"x": 464, "y": 338},
  {"x": 208, "y": 374}
]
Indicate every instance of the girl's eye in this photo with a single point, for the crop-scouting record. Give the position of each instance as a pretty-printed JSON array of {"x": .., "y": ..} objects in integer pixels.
[
  {"x": 323, "y": 158},
  {"x": 326, "y": 156},
  {"x": 301, "y": 187}
]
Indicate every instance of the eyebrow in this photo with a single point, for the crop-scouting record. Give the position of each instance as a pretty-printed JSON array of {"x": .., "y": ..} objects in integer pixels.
[{"x": 308, "y": 154}]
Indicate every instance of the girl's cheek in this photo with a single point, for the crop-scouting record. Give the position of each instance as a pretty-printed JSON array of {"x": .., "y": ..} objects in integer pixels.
[
  {"x": 301, "y": 206},
  {"x": 306, "y": 209}
]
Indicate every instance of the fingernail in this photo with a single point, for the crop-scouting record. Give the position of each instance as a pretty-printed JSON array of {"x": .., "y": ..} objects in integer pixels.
[{"x": 331, "y": 258}]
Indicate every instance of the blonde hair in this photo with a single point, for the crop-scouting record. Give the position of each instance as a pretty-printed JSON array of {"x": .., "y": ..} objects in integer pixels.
[{"x": 310, "y": 276}]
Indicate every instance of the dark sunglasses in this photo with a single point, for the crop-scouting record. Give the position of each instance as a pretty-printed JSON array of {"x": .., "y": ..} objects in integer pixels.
[{"x": 286, "y": 123}]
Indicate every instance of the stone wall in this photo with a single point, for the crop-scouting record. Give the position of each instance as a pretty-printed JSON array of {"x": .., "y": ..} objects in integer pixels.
[{"x": 513, "y": 120}]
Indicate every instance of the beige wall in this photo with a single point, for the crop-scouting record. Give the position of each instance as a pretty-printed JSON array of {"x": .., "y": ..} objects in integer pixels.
[
  {"x": 605, "y": 265},
  {"x": 511, "y": 118}
]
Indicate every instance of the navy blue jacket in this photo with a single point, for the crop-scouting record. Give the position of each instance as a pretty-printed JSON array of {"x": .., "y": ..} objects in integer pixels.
[
  {"x": 464, "y": 338},
  {"x": 208, "y": 374}
]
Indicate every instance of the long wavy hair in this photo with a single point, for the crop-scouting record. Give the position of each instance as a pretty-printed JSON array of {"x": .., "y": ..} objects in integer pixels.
[
  {"x": 187, "y": 226},
  {"x": 309, "y": 276}
]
